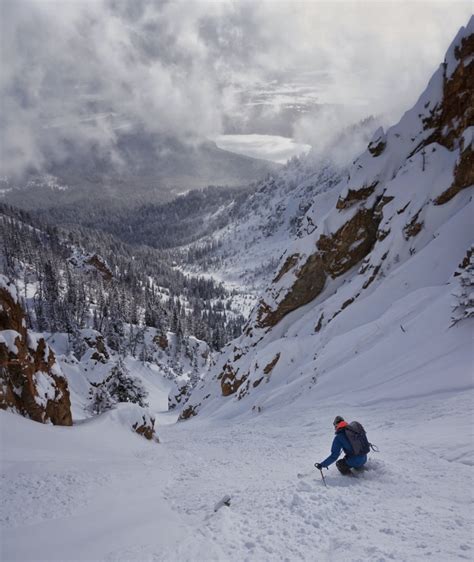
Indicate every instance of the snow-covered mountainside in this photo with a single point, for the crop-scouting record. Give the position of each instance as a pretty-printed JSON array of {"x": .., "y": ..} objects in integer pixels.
[
  {"x": 165, "y": 366},
  {"x": 263, "y": 225},
  {"x": 360, "y": 308},
  {"x": 74, "y": 279},
  {"x": 252, "y": 233},
  {"x": 186, "y": 218}
]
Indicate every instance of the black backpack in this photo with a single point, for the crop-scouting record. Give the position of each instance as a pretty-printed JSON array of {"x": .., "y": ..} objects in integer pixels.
[{"x": 357, "y": 437}]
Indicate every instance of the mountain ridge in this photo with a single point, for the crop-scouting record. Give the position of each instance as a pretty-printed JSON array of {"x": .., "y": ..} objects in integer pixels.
[{"x": 141, "y": 168}]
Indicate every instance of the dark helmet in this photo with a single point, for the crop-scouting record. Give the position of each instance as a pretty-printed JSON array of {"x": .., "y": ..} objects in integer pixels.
[{"x": 337, "y": 420}]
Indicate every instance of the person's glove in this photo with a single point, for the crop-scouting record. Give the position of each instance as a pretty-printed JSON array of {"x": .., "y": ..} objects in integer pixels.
[{"x": 318, "y": 465}]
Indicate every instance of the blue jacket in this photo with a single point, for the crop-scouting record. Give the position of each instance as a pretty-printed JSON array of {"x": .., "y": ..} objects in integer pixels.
[{"x": 342, "y": 443}]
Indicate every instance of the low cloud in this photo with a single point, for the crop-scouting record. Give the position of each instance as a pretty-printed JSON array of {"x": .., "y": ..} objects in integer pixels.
[
  {"x": 336, "y": 133},
  {"x": 77, "y": 73}
]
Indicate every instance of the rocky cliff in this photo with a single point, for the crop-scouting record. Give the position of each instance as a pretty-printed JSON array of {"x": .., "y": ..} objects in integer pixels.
[{"x": 31, "y": 382}]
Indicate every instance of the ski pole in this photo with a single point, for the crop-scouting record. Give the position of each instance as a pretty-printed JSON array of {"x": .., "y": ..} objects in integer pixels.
[{"x": 322, "y": 476}]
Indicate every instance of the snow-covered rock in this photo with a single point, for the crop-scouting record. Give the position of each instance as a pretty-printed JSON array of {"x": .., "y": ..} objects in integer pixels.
[
  {"x": 88, "y": 262},
  {"x": 31, "y": 381},
  {"x": 134, "y": 417}
]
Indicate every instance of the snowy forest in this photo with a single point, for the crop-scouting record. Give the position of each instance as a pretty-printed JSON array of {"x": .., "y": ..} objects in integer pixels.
[{"x": 82, "y": 278}]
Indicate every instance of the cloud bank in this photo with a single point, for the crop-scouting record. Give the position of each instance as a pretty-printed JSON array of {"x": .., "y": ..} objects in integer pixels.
[{"x": 77, "y": 73}]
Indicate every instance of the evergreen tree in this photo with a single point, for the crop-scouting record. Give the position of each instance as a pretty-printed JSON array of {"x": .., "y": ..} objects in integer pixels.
[
  {"x": 100, "y": 399},
  {"x": 464, "y": 294},
  {"x": 122, "y": 387}
]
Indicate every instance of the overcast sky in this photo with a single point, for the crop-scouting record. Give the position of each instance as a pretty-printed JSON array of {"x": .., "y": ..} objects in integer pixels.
[{"x": 77, "y": 72}]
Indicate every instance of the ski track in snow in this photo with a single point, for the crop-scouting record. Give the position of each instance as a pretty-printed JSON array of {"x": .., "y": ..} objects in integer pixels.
[{"x": 156, "y": 502}]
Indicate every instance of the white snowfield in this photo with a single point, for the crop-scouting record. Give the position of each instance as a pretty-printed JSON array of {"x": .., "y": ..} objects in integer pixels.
[{"x": 98, "y": 492}]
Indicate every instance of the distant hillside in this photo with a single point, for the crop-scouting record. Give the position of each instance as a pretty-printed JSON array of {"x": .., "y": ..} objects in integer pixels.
[
  {"x": 183, "y": 220},
  {"x": 77, "y": 279},
  {"x": 142, "y": 168}
]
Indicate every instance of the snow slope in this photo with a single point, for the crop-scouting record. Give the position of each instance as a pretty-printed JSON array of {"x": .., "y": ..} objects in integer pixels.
[{"x": 98, "y": 492}]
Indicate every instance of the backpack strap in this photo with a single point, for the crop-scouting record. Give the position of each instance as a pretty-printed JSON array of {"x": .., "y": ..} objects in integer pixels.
[{"x": 344, "y": 431}]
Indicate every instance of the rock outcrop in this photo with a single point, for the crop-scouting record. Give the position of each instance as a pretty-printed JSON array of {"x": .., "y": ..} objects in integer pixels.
[
  {"x": 96, "y": 343},
  {"x": 146, "y": 428},
  {"x": 134, "y": 418},
  {"x": 92, "y": 263},
  {"x": 161, "y": 340},
  {"x": 99, "y": 264},
  {"x": 31, "y": 382}
]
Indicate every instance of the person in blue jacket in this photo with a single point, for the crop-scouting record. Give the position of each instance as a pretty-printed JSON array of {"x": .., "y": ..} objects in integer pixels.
[{"x": 342, "y": 443}]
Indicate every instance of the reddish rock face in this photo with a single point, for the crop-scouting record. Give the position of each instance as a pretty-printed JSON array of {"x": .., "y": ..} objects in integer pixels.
[
  {"x": 335, "y": 255},
  {"x": 454, "y": 115},
  {"x": 147, "y": 430},
  {"x": 414, "y": 227},
  {"x": 463, "y": 176},
  {"x": 229, "y": 381},
  {"x": 161, "y": 340},
  {"x": 309, "y": 282},
  {"x": 97, "y": 342},
  {"x": 289, "y": 264},
  {"x": 100, "y": 266},
  {"x": 350, "y": 244},
  {"x": 269, "y": 368},
  {"x": 30, "y": 381},
  {"x": 188, "y": 412},
  {"x": 354, "y": 196}
]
